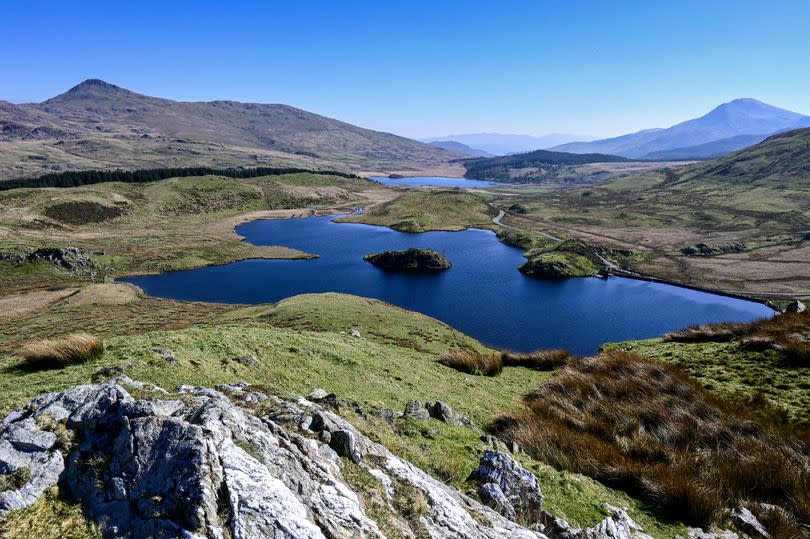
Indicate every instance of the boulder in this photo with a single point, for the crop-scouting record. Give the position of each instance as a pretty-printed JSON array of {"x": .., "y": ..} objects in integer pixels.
[
  {"x": 411, "y": 261},
  {"x": 508, "y": 487},
  {"x": 416, "y": 410},
  {"x": 443, "y": 412}
]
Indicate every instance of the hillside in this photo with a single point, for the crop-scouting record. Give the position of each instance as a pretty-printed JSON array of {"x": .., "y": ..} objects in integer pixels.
[
  {"x": 99, "y": 125},
  {"x": 727, "y": 121},
  {"x": 458, "y": 147},
  {"x": 524, "y": 166},
  {"x": 746, "y": 215},
  {"x": 709, "y": 150}
]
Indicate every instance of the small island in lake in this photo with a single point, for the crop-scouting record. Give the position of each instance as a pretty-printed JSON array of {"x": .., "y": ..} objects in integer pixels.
[{"x": 412, "y": 261}]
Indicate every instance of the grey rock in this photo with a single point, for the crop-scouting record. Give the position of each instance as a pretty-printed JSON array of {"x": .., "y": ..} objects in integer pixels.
[
  {"x": 25, "y": 436},
  {"x": 250, "y": 361},
  {"x": 618, "y": 525},
  {"x": 416, "y": 410},
  {"x": 355, "y": 333},
  {"x": 318, "y": 394},
  {"x": 45, "y": 472},
  {"x": 387, "y": 414},
  {"x": 443, "y": 412},
  {"x": 343, "y": 442},
  {"x": 745, "y": 522},
  {"x": 212, "y": 469},
  {"x": 305, "y": 422},
  {"x": 329, "y": 453},
  {"x": 492, "y": 496},
  {"x": 519, "y": 487},
  {"x": 323, "y": 422},
  {"x": 165, "y": 353},
  {"x": 697, "y": 533}
]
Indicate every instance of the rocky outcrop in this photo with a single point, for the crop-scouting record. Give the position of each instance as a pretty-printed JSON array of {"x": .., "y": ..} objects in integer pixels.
[
  {"x": 411, "y": 261},
  {"x": 508, "y": 487},
  {"x": 424, "y": 411},
  {"x": 745, "y": 521},
  {"x": 225, "y": 462}
]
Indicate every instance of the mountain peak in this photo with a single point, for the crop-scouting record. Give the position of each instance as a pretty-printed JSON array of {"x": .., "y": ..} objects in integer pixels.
[
  {"x": 94, "y": 84},
  {"x": 749, "y": 105},
  {"x": 91, "y": 88}
]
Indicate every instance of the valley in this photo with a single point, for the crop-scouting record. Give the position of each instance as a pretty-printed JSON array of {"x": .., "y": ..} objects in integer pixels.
[{"x": 232, "y": 319}]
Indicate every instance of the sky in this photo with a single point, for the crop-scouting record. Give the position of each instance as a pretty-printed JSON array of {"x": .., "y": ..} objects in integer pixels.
[{"x": 424, "y": 68}]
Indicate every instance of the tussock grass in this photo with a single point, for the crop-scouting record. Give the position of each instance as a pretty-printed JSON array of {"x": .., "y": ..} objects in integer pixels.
[
  {"x": 472, "y": 362},
  {"x": 541, "y": 360},
  {"x": 649, "y": 429},
  {"x": 58, "y": 353},
  {"x": 720, "y": 332},
  {"x": 788, "y": 333}
]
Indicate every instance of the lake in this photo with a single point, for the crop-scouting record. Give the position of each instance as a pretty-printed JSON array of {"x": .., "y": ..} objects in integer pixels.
[
  {"x": 436, "y": 181},
  {"x": 483, "y": 294}
]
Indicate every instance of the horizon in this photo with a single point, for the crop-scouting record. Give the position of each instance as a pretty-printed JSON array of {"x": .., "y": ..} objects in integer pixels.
[{"x": 530, "y": 70}]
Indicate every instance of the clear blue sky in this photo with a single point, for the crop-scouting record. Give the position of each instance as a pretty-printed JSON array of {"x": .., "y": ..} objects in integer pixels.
[{"x": 425, "y": 68}]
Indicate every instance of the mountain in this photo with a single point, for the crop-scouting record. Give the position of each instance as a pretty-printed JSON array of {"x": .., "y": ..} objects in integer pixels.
[
  {"x": 502, "y": 144},
  {"x": 708, "y": 150},
  {"x": 766, "y": 177},
  {"x": 780, "y": 162},
  {"x": 457, "y": 147},
  {"x": 99, "y": 125},
  {"x": 727, "y": 121}
]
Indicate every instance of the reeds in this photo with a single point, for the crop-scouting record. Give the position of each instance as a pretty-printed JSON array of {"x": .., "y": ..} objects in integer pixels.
[
  {"x": 58, "y": 353},
  {"x": 651, "y": 430},
  {"x": 472, "y": 362},
  {"x": 541, "y": 360}
]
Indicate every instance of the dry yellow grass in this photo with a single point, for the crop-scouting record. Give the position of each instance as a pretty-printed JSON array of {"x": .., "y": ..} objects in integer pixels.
[
  {"x": 72, "y": 349},
  {"x": 472, "y": 362}
]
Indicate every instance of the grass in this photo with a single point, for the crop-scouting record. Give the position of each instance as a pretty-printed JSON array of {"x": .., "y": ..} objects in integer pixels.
[
  {"x": 53, "y": 516},
  {"x": 311, "y": 347},
  {"x": 421, "y": 211},
  {"x": 760, "y": 362},
  {"x": 15, "y": 479},
  {"x": 759, "y": 197},
  {"x": 649, "y": 429},
  {"x": 373, "y": 319},
  {"x": 570, "y": 258},
  {"x": 472, "y": 362},
  {"x": 178, "y": 223},
  {"x": 542, "y": 360},
  {"x": 59, "y": 353}
]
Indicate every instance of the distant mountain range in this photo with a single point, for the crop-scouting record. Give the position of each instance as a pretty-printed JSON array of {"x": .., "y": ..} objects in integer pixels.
[
  {"x": 99, "y": 125},
  {"x": 457, "y": 147},
  {"x": 504, "y": 144},
  {"x": 727, "y": 128}
]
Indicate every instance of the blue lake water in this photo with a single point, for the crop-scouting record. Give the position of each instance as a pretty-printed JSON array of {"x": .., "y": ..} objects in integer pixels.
[
  {"x": 436, "y": 181},
  {"x": 482, "y": 295}
]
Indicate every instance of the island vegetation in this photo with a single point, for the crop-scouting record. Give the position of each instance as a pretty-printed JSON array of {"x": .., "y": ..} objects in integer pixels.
[{"x": 410, "y": 261}]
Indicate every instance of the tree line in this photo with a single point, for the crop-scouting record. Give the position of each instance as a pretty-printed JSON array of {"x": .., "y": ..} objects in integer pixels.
[{"x": 76, "y": 178}]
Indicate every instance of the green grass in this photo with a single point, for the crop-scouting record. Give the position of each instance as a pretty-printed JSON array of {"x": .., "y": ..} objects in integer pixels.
[
  {"x": 394, "y": 360},
  {"x": 420, "y": 211},
  {"x": 728, "y": 369},
  {"x": 373, "y": 319},
  {"x": 53, "y": 516},
  {"x": 166, "y": 225}
]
